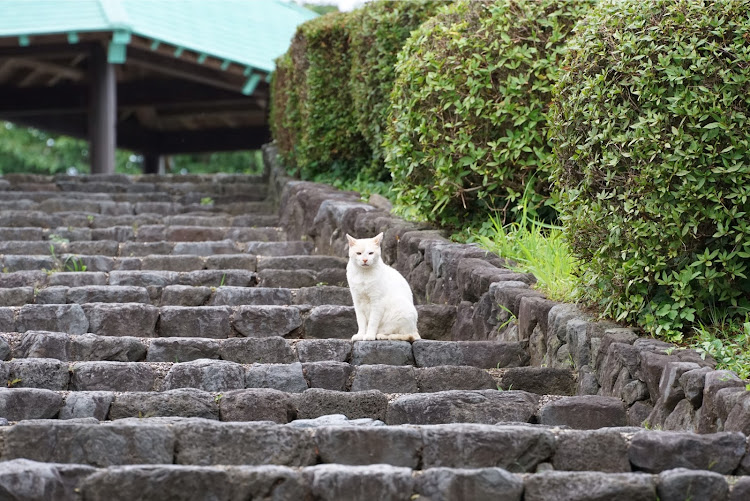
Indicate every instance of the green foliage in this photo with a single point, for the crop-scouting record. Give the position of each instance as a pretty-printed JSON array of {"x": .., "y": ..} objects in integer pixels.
[
  {"x": 727, "y": 341},
  {"x": 235, "y": 162},
  {"x": 284, "y": 115},
  {"x": 469, "y": 108},
  {"x": 382, "y": 28},
  {"x": 322, "y": 129},
  {"x": 650, "y": 129}
]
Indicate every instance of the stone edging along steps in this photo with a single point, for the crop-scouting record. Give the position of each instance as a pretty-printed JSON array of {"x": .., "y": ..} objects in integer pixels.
[{"x": 205, "y": 354}]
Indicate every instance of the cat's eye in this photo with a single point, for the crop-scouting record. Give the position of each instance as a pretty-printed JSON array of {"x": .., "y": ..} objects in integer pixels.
[
  {"x": 359, "y": 253},
  {"x": 371, "y": 253}
]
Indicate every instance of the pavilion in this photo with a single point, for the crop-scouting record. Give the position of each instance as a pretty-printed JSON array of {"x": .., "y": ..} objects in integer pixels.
[{"x": 155, "y": 76}]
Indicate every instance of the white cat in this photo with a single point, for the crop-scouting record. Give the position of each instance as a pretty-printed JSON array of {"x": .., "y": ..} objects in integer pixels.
[{"x": 382, "y": 297}]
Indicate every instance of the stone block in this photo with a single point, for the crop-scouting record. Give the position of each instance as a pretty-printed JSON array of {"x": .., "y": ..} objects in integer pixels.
[
  {"x": 206, "y": 375},
  {"x": 90, "y": 347},
  {"x": 182, "y": 349},
  {"x": 111, "y": 376},
  {"x": 129, "y": 319},
  {"x": 357, "y": 445},
  {"x": 21, "y": 262},
  {"x": 385, "y": 378},
  {"x": 184, "y": 295},
  {"x": 282, "y": 377},
  {"x": 317, "y": 402},
  {"x": 172, "y": 263},
  {"x": 69, "y": 318},
  {"x": 107, "y": 294},
  {"x": 681, "y": 483},
  {"x": 17, "y": 296},
  {"x": 539, "y": 380},
  {"x": 240, "y": 296},
  {"x": 485, "y": 484},
  {"x": 291, "y": 279},
  {"x": 232, "y": 262},
  {"x": 327, "y": 375},
  {"x": 144, "y": 278},
  {"x": 516, "y": 448},
  {"x": 483, "y": 354},
  {"x": 324, "y": 350},
  {"x": 569, "y": 486},
  {"x": 87, "y": 404},
  {"x": 205, "y": 248},
  {"x": 324, "y": 295},
  {"x": 200, "y": 321},
  {"x": 219, "y": 278},
  {"x": 331, "y": 321},
  {"x": 432, "y": 379},
  {"x": 52, "y": 295},
  {"x": 592, "y": 450},
  {"x": 75, "y": 279},
  {"x": 382, "y": 352},
  {"x": 182, "y": 402},
  {"x": 25, "y": 279},
  {"x": 44, "y": 344},
  {"x": 267, "y": 321},
  {"x": 654, "y": 452},
  {"x": 435, "y": 321},
  {"x": 292, "y": 248},
  {"x": 21, "y": 479},
  {"x": 18, "y": 404},
  {"x": 585, "y": 412},
  {"x": 692, "y": 383},
  {"x": 269, "y": 350},
  {"x": 257, "y": 404},
  {"x": 44, "y": 373},
  {"x": 382, "y": 482},
  {"x": 483, "y": 406}
]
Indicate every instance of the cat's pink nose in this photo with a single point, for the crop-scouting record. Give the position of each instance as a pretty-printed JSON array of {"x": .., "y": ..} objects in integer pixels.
[{"x": 364, "y": 261}]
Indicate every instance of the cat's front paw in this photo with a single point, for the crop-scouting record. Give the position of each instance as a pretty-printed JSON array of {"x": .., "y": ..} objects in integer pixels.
[{"x": 358, "y": 337}]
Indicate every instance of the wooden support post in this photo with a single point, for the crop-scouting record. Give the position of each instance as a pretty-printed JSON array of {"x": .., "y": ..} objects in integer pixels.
[
  {"x": 152, "y": 163},
  {"x": 102, "y": 113}
]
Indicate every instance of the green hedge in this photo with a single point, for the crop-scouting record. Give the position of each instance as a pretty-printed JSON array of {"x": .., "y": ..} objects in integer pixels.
[
  {"x": 382, "y": 28},
  {"x": 651, "y": 135},
  {"x": 284, "y": 113},
  {"x": 473, "y": 86}
]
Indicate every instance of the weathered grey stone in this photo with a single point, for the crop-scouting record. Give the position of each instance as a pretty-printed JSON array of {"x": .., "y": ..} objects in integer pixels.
[
  {"x": 44, "y": 344},
  {"x": 539, "y": 380},
  {"x": 7, "y": 321},
  {"x": 17, "y": 404},
  {"x": 682, "y": 418},
  {"x": 589, "y": 486},
  {"x": 5, "y": 349},
  {"x": 483, "y": 484},
  {"x": 514, "y": 448},
  {"x": 267, "y": 321},
  {"x": 681, "y": 483},
  {"x": 324, "y": 295},
  {"x": 327, "y": 375},
  {"x": 182, "y": 402},
  {"x": 111, "y": 376},
  {"x": 656, "y": 452},
  {"x": 330, "y": 321},
  {"x": 201, "y": 321},
  {"x": 291, "y": 248},
  {"x": 738, "y": 418},
  {"x": 116, "y": 349},
  {"x": 239, "y": 296},
  {"x": 316, "y": 262},
  {"x": 283, "y": 377},
  {"x": 130, "y": 319},
  {"x": 357, "y": 445},
  {"x": 483, "y": 354},
  {"x": 207, "y": 375},
  {"x": 107, "y": 294},
  {"x": 68, "y": 318},
  {"x": 84, "y": 404},
  {"x": 21, "y": 479},
  {"x": 638, "y": 413},
  {"x": 205, "y": 248},
  {"x": 292, "y": 279},
  {"x": 270, "y": 350},
  {"x": 76, "y": 279},
  {"x": 26, "y": 278},
  {"x": 382, "y": 482},
  {"x": 334, "y": 420},
  {"x": 52, "y": 295},
  {"x": 317, "y": 402},
  {"x": 382, "y": 352},
  {"x": 483, "y": 406},
  {"x": 592, "y": 450},
  {"x": 144, "y": 278},
  {"x": 231, "y": 262},
  {"x": 432, "y": 379},
  {"x": 740, "y": 490},
  {"x": 44, "y": 373},
  {"x": 172, "y": 263},
  {"x": 692, "y": 383},
  {"x": 22, "y": 262},
  {"x": 140, "y": 249},
  {"x": 17, "y": 296},
  {"x": 182, "y": 349},
  {"x": 323, "y": 350},
  {"x": 185, "y": 295},
  {"x": 584, "y": 413},
  {"x": 94, "y": 444},
  {"x": 435, "y": 321},
  {"x": 219, "y": 278},
  {"x": 714, "y": 382},
  {"x": 256, "y": 404},
  {"x": 385, "y": 378}
]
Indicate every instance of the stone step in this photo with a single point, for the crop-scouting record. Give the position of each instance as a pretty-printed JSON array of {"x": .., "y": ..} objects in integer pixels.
[
  {"x": 220, "y": 322},
  {"x": 97, "y": 290},
  {"x": 352, "y": 482},
  {"x": 241, "y": 403},
  {"x": 120, "y": 182}
]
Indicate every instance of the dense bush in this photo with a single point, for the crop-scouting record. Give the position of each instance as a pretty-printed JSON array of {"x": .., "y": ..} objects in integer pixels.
[
  {"x": 314, "y": 120},
  {"x": 651, "y": 134},
  {"x": 381, "y": 29},
  {"x": 473, "y": 85}
]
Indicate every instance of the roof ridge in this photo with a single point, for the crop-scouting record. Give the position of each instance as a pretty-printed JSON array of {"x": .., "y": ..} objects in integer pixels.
[{"x": 115, "y": 14}]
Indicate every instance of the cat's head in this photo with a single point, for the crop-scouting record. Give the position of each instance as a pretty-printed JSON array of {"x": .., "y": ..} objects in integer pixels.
[{"x": 364, "y": 252}]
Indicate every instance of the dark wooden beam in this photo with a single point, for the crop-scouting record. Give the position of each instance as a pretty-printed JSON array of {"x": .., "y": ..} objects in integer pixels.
[
  {"x": 151, "y": 163},
  {"x": 102, "y": 113}
]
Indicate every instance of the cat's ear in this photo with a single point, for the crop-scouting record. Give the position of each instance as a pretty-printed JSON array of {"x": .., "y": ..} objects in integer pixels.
[
  {"x": 378, "y": 238},
  {"x": 352, "y": 240}
]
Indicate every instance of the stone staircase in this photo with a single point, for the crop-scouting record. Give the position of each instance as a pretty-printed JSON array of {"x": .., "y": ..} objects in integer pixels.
[{"x": 173, "y": 338}]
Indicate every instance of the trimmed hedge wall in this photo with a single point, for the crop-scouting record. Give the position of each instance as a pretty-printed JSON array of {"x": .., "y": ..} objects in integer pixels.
[
  {"x": 651, "y": 136},
  {"x": 382, "y": 28},
  {"x": 468, "y": 130}
]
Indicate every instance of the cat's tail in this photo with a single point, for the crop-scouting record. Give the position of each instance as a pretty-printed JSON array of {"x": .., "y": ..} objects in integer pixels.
[{"x": 399, "y": 337}]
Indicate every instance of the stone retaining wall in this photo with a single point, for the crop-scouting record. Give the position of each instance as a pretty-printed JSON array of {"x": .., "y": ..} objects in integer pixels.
[{"x": 663, "y": 386}]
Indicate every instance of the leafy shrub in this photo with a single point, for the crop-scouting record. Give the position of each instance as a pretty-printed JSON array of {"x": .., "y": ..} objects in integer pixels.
[
  {"x": 650, "y": 128},
  {"x": 320, "y": 122},
  {"x": 284, "y": 112},
  {"x": 382, "y": 28},
  {"x": 473, "y": 85}
]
